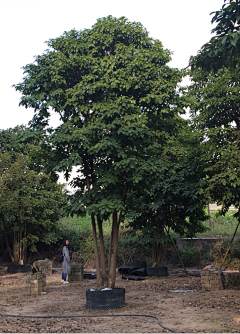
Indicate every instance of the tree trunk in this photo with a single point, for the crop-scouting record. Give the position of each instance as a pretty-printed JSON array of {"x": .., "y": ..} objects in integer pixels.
[
  {"x": 99, "y": 274},
  {"x": 110, "y": 249},
  {"x": 210, "y": 222},
  {"x": 20, "y": 247},
  {"x": 158, "y": 253},
  {"x": 15, "y": 246},
  {"x": 9, "y": 249},
  {"x": 113, "y": 256},
  {"x": 159, "y": 249},
  {"x": 25, "y": 244},
  {"x": 238, "y": 134},
  {"x": 102, "y": 253}
]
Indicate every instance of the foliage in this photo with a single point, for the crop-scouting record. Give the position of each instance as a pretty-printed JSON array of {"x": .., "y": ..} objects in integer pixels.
[
  {"x": 104, "y": 83},
  {"x": 214, "y": 102},
  {"x": 132, "y": 245},
  {"x": 221, "y": 225},
  {"x": 190, "y": 258},
  {"x": 174, "y": 202},
  {"x": 233, "y": 257},
  {"x": 118, "y": 103},
  {"x": 235, "y": 248},
  {"x": 223, "y": 49},
  {"x": 78, "y": 230},
  {"x": 133, "y": 248},
  {"x": 30, "y": 202}
]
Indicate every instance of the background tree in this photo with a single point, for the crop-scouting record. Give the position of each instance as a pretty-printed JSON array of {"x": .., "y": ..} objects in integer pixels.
[
  {"x": 175, "y": 201},
  {"x": 118, "y": 104},
  {"x": 215, "y": 111},
  {"x": 214, "y": 103},
  {"x": 30, "y": 201}
]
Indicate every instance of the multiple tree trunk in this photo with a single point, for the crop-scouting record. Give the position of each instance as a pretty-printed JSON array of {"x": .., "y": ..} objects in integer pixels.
[
  {"x": 159, "y": 248},
  {"x": 106, "y": 277},
  {"x": 19, "y": 246},
  {"x": 18, "y": 252},
  {"x": 158, "y": 253}
]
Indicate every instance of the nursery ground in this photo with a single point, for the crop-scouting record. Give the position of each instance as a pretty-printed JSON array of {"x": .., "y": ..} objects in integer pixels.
[{"x": 191, "y": 312}]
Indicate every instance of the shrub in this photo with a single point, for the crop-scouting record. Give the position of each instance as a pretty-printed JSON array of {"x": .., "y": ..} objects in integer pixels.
[
  {"x": 190, "y": 257},
  {"x": 233, "y": 257},
  {"x": 79, "y": 232},
  {"x": 131, "y": 248}
]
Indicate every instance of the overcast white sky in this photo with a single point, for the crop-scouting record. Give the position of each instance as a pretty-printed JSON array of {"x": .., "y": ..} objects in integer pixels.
[{"x": 182, "y": 26}]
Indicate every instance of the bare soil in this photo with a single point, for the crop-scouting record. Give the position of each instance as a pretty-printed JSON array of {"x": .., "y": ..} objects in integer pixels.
[{"x": 189, "y": 312}]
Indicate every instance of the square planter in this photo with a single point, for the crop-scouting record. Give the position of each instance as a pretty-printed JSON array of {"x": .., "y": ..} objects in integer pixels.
[
  {"x": 105, "y": 300},
  {"x": 157, "y": 271}
]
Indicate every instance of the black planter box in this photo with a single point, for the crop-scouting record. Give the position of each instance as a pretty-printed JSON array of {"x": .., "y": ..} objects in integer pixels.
[
  {"x": 137, "y": 264},
  {"x": 157, "y": 271},
  {"x": 105, "y": 300},
  {"x": 18, "y": 268}
]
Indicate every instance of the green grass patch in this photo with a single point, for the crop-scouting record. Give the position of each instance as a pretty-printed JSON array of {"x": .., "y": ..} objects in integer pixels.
[{"x": 221, "y": 225}]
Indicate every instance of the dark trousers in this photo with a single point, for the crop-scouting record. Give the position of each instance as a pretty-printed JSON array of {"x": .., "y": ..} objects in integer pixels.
[{"x": 64, "y": 276}]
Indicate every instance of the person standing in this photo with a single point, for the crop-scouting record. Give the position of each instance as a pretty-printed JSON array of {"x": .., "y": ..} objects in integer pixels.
[{"x": 66, "y": 261}]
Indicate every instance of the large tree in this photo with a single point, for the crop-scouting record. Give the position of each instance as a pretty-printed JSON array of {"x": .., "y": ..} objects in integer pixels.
[
  {"x": 118, "y": 105},
  {"x": 31, "y": 201}
]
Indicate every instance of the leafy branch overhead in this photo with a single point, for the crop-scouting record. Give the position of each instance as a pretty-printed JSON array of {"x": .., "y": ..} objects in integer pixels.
[{"x": 223, "y": 48}]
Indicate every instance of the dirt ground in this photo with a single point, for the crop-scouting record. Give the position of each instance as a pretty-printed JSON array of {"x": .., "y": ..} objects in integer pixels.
[{"x": 189, "y": 312}]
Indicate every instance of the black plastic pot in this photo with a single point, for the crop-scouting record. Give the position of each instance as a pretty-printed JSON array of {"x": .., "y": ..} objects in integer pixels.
[
  {"x": 105, "y": 300},
  {"x": 157, "y": 271}
]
